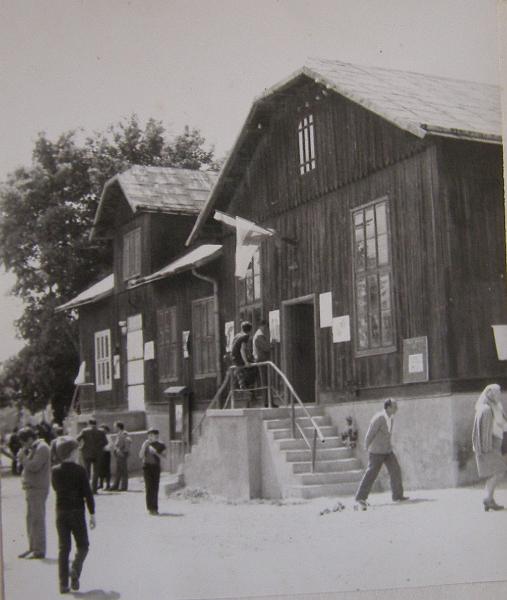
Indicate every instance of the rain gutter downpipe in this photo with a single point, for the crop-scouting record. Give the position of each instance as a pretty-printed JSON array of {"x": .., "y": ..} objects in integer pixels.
[{"x": 216, "y": 315}]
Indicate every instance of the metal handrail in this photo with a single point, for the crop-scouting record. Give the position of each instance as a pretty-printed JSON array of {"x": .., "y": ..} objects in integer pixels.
[{"x": 214, "y": 401}]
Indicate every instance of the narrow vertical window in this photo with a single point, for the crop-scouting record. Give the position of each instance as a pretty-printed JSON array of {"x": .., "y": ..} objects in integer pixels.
[
  {"x": 132, "y": 253},
  {"x": 103, "y": 361},
  {"x": 374, "y": 324},
  {"x": 306, "y": 139},
  {"x": 203, "y": 338}
]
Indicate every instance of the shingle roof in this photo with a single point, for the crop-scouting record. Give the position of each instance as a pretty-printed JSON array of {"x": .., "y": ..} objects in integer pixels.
[
  {"x": 97, "y": 291},
  {"x": 416, "y": 102},
  {"x": 420, "y": 104},
  {"x": 162, "y": 189}
]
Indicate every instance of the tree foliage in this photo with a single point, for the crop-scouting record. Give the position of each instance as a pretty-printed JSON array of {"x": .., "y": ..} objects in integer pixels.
[{"x": 46, "y": 212}]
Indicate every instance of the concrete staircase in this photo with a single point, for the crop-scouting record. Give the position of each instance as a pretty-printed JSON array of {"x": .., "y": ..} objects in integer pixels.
[{"x": 337, "y": 471}]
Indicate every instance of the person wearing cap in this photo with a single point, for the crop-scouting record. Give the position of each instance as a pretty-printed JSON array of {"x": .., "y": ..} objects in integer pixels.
[
  {"x": 151, "y": 452},
  {"x": 93, "y": 441},
  {"x": 72, "y": 487},
  {"x": 121, "y": 451},
  {"x": 35, "y": 461}
]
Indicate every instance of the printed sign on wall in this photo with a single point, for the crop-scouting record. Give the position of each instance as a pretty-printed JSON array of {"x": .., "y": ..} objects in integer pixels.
[
  {"x": 326, "y": 309},
  {"x": 229, "y": 335},
  {"x": 415, "y": 359},
  {"x": 274, "y": 325},
  {"x": 341, "y": 329},
  {"x": 185, "y": 337},
  {"x": 500, "y": 332},
  {"x": 149, "y": 351}
]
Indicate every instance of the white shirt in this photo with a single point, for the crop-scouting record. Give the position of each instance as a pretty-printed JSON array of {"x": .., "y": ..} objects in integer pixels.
[{"x": 389, "y": 421}]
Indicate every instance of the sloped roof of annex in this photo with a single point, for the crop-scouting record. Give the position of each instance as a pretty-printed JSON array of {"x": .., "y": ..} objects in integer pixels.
[
  {"x": 417, "y": 103},
  {"x": 168, "y": 190}
]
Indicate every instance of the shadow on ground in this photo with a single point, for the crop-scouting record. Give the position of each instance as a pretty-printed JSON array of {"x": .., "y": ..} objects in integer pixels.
[
  {"x": 406, "y": 503},
  {"x": 97, "y": 595}
]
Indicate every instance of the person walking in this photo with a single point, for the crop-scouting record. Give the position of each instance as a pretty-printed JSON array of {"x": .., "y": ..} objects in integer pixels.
[
  {"x": 93, "y": 441},
  {"x": 151, "y": 452},
  {"x": 121, "y": 451},
  {"x": 35, "y": 460},
  {"x": 378, "y": 444},
  {"x": 487, "y": 436},
  {"x": 71, "y": 484}
]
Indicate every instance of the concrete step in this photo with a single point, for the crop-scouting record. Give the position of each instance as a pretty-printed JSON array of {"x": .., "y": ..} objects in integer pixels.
[
  {"x": 326, "y": 478},
  {"x": 300, "y": 444},
  {"x": 302, "y": 421},
  {"x": 327, "y": 466},
  {"x": 322, "y": 454},
  {"x": 335, "y": 490},
  {"x": 282, "y": 434},
  {"x": 284, "y": 412}
]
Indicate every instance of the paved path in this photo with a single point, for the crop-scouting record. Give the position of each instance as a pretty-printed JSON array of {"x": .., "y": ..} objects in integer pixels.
[{"x": 208, "y": 548}]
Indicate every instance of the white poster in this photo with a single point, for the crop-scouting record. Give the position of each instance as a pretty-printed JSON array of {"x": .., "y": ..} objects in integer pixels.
[
  {"x": 185, "y": 337},
  {"x": 229, "y": 335},
  {"x": 149, "y": 351},
  {"x": 326, "y": 309},
  {"x": 274, "y": 325},
  {"x": 116, "y": 367},
  {"x": 341, "y": 329},
  {"x": 500, "y": 332},
  {"x": 416, "y": 363}
]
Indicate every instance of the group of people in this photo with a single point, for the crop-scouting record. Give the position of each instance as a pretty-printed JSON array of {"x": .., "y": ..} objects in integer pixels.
[
  {"x": 246, "y": 351},
  {"x": 73, "y": 468}
]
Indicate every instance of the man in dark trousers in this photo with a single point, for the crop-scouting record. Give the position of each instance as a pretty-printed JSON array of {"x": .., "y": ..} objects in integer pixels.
[
  {"x": 121, "y": 451},
  {"x": 70, "y": 482},
  {"x": 151, "y": 452},
  {"x": 36, "y": 463},
  {"x": 262, "y": 353},
  {"x": 380, "y": 452},
  {"x": 241, "y": 355},
  {"x": 93, "y": 442}
]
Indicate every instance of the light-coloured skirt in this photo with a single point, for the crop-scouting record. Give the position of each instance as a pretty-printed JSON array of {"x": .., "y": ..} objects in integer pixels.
[{"x": 491, "y": 463}]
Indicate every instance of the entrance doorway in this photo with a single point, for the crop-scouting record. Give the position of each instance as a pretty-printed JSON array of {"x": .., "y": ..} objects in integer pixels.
[{"x": 299, "y": 348}]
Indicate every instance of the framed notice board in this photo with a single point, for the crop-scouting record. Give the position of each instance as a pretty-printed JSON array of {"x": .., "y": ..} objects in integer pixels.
[{"x": 415, "y": 359}]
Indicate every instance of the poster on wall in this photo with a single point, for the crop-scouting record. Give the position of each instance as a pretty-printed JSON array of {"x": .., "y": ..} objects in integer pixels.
[
  {"x": 415, "y": 359},
  {"x": 500, "y": 333},
  {"x": 326, "y": 309},
  {"x": 229, "y": 335},
  {"x": 149, "y": 351},
  {"x": 341, "y": 329},
  {"x": 274, "y": 325},
  {"x": 116, "y": 367},
  {"x": 185, "y": 337}
]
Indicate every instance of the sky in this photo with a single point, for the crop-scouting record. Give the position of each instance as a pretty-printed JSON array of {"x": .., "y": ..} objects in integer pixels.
[{"x": 70, "y": 64}]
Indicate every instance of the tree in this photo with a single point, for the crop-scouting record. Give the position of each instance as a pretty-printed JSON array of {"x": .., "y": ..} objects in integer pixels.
[{"x": 46, "y": 212}]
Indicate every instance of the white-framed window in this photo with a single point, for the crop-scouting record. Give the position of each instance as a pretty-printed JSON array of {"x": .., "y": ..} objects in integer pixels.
[
  {"x": 306, "y": 138},
  {"x": 373, "y": 294},
  {"x": 103, "y": 360},
  {"x": 132, "y": 253}
]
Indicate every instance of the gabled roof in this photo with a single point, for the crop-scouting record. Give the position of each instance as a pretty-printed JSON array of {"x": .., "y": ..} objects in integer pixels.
[
  {"x": 97, "y": 291},
  {"x": 168, "y": 190},
  {"x": 417, "y": 103}
]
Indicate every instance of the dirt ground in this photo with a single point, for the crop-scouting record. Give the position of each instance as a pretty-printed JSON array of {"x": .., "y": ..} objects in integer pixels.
[{"x": 441, "y": 544}]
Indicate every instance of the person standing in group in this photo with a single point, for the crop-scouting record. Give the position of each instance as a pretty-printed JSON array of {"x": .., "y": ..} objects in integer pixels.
[
  {"x": 93, "y": 441},
  {"x": 151, "y": 452},
  {"x": 105, "y": 463},
  {"x": 14, "y": 444},
  {"x": 487, "y": 436},
  {"x": 121, "y": 451},
  {"x": 72, "y": 487},
  {"x": 58, "y": 431},
  {"x": 241, "y": 355},
  {"x": 378, "y": 444},
  {"x": 262, "y": 353},
  {"x": 35, "y": 460}
]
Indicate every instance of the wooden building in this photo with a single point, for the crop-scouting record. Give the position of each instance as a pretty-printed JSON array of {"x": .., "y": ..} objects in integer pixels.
[{"x": 384, "y": 278}]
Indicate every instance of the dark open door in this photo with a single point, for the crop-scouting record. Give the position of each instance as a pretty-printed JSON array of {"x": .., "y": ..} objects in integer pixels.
[{"x": 299, "y": 348}]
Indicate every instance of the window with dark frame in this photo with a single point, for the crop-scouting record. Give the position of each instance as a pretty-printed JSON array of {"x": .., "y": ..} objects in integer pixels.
[
  {"x": 306, "y": 139},
  {"x": 203, "y": 338},
  {"x": 167, "y": 343},
  {"x": 132, "y": 253},
  {"x": 373, "y": 278},
  {"x": 103, "y": 380}
]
